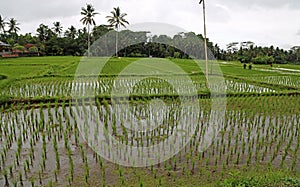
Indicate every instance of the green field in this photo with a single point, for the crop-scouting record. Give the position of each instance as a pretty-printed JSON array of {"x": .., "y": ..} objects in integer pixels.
[{"x": 47, "y": 105}]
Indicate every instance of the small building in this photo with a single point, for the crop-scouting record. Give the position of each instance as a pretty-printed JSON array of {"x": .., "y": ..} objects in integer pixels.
[
  {"x": 4, "y": 48},
  {"x": 5, "y": 51},
  {"x": 28, "y": 46},
  {"x": 29, "y": 52}
]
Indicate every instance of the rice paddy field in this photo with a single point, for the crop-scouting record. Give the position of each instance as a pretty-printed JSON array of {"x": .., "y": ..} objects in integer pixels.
[{"x": 45, "y": 132}]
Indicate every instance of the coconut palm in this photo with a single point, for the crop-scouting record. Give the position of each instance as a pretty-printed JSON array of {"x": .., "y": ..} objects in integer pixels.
[
  {"x": 43, "y": 32},
  {"x": 117, "y": 20},
  {"x": 71, "y": 32},
  {"x": 13, "y": 26},
  {"x": 2, "y": 24},
  {"x": 88, "y": 13},
  {"x": 57, "y": 28}
]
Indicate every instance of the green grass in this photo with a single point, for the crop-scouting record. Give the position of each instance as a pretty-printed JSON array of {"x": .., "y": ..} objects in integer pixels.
[
  {"x": 52, "y": 70},
  {"x": 209, "y": 176},
  {"x": 60, "y": 66},
  {"x": 36, "y": 66}
]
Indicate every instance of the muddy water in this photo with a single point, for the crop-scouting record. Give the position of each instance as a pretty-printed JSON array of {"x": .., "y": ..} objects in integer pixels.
[
  {"x": 32, "y": 125},
  {"x": 138, "y": 125}
]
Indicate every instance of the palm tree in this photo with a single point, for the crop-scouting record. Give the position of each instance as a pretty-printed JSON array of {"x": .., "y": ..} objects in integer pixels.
[
  {"x": 2, "y": 25},
  {"x": 71, "y": 32},
  {"x": 57, "y": 28},
  {"x": 116, "y": 20},
  {"x": 42, "y": 32},
  {"x": 13, "y": 26},
  {"x": 88, "y": 13}
]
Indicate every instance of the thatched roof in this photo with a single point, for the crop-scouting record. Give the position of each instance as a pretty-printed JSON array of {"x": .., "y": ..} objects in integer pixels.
[{"x": 4, "y": 44}]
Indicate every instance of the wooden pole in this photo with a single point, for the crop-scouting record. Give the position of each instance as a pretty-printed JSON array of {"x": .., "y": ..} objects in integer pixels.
[{"x": 205, "y": 42}]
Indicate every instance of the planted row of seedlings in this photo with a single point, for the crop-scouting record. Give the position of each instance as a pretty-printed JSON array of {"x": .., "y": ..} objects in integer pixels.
[
  {"x": 234, "y": 86},
  {"x": 292, "y": 81},
  {"x": 151, "y": 86},
  {"x": 253, "y": 136},
  {"x": 34, "y": 88},
  {"x": 42, "y": 145}
]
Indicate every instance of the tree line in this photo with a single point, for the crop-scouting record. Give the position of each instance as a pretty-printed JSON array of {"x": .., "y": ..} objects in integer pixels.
[
  {"x": 248, "y": 52},
  {"x": 53, "y": 40}
]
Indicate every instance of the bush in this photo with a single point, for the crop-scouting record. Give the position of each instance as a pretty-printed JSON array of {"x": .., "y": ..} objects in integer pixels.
[
  {"x": 137, "y": 55},
  {"x": 263, "y": 60},
  {"x": 244, "y": 59},
  {"x": 33, "y": 49},
  {"x": 42, "y": 50},
  {"x": 176, "y": 55},
  {"x": 19, "y": 47}
]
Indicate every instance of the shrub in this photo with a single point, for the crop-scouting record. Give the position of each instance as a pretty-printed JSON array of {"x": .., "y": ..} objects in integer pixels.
[
  {"x": 19, "y": 47},
  {"x": 137, "y": 55},
  {"x": 263, "y": 59},
  {"x": 176, "y": 55},
  {"x": 33, "y": 49}
]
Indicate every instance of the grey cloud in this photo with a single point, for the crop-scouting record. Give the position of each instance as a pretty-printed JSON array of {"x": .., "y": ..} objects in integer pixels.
[
  {"x": 33, "y": 9},
  {"x": 39, "y": 9},
  {"x": 292, "y": 4},
  {"x": 236, "y": 14},
  {"x": 220, "y": 14}
]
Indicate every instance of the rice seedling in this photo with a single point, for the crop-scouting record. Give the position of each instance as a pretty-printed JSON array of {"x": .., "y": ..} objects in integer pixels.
[{"x": 40, "y": 137}]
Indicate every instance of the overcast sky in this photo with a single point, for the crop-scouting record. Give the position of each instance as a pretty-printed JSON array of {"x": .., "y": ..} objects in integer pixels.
[{"x": 265, "y": 22}]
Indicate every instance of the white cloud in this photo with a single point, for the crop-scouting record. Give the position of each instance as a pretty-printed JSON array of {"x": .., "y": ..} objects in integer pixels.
[{"x": 263, "y": 22}]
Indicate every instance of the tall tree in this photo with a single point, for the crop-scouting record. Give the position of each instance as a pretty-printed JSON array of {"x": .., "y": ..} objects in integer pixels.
[
  {"x": 88, "y": 19},
  {"x": 232, "y": 47},
  {"x": 2, "y": 25},
  {"x": 71, "y": 32},
  {"x": 296, "y": 50},
  {"x": 117, "y": 20},
  {"x": 100, "y": 30},
  {"x": 13, "y": 26},
  {"x": 44, "y": 33},
  {"x": 57, "y": 28}
]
